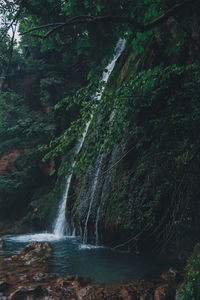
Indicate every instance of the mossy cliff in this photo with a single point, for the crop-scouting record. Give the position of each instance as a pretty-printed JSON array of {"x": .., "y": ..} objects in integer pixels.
[{"x": 145, "y": 190}]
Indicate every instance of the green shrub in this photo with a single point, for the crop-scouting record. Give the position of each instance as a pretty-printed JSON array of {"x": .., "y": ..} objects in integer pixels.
[{"x": 191, "y": 288}]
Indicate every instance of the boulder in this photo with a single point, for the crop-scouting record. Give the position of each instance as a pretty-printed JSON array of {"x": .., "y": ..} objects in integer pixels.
[
  {"x": 125, "y": 294},
  {"x": 4, "y": 286},
  {"x": 35, "y": 250},
  {"x": 164, "y": 292},
  {"x": 23, "y": 292},
  {"x": 39, "y": 277}
]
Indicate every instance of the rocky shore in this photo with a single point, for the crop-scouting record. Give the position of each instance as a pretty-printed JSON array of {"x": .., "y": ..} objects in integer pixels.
[{"x": 24, "y": 276}]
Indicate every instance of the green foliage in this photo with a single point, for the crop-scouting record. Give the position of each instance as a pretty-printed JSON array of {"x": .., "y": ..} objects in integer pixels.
[
  {"x": 22, "y": 130},
  {"x": 159, "y": 104},
  {"x": 17, "y": 121},
  {"x": 116, "y": 209},
  {"x": 158, "y": 112},
  {"x": 191, "y": 288},
  {"x": 40, "y": 74}
]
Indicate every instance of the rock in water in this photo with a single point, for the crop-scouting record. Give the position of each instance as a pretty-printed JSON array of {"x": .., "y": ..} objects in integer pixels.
[
  {"x": 23, "y": 291},
  {"x": 37, "y": 250}
]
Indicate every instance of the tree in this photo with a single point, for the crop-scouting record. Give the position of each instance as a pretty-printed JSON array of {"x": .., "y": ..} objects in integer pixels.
[{"x": 137, "y": 26}]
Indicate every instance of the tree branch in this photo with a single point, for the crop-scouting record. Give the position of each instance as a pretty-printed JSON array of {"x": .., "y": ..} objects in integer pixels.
[
  {"x": 42, "y": 27},
  {"x": 115, "y": 19},
  {"x": 16, "y": 16},
  {"x": 171, "y": 12}
]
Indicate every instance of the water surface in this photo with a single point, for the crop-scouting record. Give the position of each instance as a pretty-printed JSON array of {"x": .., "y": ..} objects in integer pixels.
[{"x": 100, "y": 264}]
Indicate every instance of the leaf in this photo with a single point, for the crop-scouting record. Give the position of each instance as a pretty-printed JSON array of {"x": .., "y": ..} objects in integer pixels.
[{"x": 98, "y": 8}]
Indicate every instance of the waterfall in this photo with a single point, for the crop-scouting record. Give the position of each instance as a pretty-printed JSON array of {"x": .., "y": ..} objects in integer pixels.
[
  {"x": 60, "y": 224},
  {"x": 96, "y": 226},
  {"x": 60, "y": 227},
  {"x": 118, "y": 50},
  {"x": 92, "y": 198}
]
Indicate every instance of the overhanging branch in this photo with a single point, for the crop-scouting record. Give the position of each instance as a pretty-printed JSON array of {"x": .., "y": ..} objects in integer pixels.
[
  {"x": 171, "y": 12},
  {"x": 115, "y": 19}
]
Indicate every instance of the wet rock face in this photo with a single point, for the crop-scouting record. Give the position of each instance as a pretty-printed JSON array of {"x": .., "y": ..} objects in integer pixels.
[
  {"x": 24, "y": 276},
  {"x": 105, "y": 199},
  {"x": 7, "y": 161}
]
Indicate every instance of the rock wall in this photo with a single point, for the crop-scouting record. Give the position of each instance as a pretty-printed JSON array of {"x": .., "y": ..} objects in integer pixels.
[
  {"x": 102, "y": 202},
  {"x": 114, "y": 201}
]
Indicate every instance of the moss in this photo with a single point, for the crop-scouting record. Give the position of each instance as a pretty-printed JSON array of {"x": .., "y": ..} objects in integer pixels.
[
  {"x": 131, "y": 62},
  {"x": 116, "y": 208},
  {"x": 43, "y": 206}
]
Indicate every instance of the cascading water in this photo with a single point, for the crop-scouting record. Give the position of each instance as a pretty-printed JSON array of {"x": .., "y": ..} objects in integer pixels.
[
  {"x": 92, "y": 198},
  {"x": 96, "y": 227},
  {"x": 60, "y": 222},
  {"x": 60, "y": 228},
  {"x": 118, "y": 50}
]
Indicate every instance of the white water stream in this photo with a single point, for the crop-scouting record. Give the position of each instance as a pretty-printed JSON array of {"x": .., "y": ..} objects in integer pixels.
[
  {"x": 118, "y": 50},
  {"x": 92, "y": 198},
  {"x": 60, "y": 222}
]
